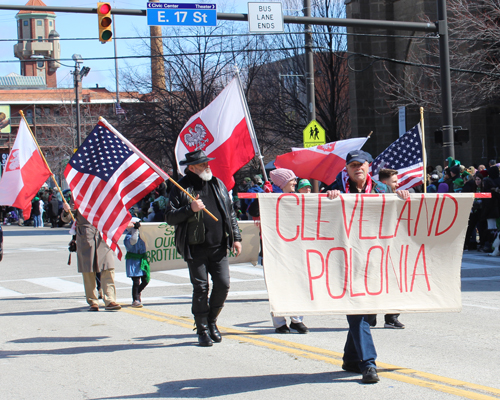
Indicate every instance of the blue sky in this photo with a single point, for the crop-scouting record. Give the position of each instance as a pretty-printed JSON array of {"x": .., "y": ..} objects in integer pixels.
[{"x": 70, "y": 25}]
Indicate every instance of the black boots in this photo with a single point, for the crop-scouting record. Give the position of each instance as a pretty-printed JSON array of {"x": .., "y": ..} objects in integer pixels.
[
  {"x": 212, "y": 327},
  {"x": 202, "y": 330}
]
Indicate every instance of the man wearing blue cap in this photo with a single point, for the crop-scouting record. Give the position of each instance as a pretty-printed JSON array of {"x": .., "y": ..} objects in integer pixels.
[{"x": 359, "y": 351}]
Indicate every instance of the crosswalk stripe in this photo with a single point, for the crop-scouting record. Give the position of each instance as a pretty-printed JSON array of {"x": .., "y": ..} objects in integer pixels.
[
  {"x": 8, "y": 293},
  {"x": 61, "y": 285},
  {"x": 122, "y": 278}
]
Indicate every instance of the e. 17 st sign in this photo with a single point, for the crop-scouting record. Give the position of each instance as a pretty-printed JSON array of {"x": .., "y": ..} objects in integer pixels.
[{"x": 182, "y": 14}]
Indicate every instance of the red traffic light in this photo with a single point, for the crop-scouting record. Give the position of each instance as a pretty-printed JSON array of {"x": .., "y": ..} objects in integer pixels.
[{"x": 104, "y": 8}]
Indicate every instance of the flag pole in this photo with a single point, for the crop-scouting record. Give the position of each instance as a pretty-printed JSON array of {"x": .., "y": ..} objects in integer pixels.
[
  {"x": 155, "y": 167},
  {"x": 424, "y": 156},
  {"x": 45, "y": 161},
  {"x": 250, "y": 124}
]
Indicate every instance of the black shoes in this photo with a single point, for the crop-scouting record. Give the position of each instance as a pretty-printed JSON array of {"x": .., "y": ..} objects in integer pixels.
[
  {"x": 370, "y": 375},
  {"x": 394, "y": 324},
  {"x": 204, "y": 340},
  {"x": 214, "y": 332},
  {"x": 300, "y": 327},
  {"x": 282, "y": 329},
  {"x": 202, "y": 331}
]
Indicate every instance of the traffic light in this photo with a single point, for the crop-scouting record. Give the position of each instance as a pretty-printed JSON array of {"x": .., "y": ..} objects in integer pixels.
[{"x": 104, "y": 15}]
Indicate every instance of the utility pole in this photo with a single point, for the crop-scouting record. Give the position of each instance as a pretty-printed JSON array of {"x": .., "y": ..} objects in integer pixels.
[
  {"x": 311, "y": 104},
  {"x": 78, "y": 75},
  {"x": 444, "y": 63},
  {"x": 77, "y": 80},
  {"x": 311, "y": 101}
]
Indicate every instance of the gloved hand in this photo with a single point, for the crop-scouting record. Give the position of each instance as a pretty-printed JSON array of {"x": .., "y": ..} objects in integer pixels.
[{"x": 137, "y": 225}]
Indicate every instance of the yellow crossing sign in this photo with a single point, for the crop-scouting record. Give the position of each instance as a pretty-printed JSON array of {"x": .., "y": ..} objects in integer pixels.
[{"x": 314, "y": 134}]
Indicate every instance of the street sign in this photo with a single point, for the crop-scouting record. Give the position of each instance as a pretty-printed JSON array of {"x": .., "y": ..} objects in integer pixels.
[
  {"x": 314, "y": 134},
  {"x": 181, "y": 14},
  {"x": 265, "y": 17}
]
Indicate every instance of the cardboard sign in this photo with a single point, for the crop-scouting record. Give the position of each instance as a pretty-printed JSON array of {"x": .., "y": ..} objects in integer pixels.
[{"x": 162, "y": 254}]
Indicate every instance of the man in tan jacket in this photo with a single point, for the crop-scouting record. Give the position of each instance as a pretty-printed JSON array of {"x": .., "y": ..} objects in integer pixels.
[{"x": 93, "y": 255}]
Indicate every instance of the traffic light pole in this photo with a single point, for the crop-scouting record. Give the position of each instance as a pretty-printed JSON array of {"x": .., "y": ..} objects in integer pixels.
[{"x": 77, "y": 77}]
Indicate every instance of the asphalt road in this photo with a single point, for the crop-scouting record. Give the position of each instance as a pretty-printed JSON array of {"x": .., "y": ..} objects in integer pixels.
[{"x": 52, "y": 348}]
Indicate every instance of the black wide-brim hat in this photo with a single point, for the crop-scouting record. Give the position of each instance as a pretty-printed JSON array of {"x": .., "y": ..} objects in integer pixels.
[{"x": 195, "y": 157}]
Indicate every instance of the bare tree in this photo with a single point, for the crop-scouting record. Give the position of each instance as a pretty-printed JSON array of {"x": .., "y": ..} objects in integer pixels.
[{"x": 474, "y": 58}]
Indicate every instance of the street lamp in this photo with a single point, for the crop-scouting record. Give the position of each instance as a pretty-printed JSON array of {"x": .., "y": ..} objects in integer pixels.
[{"x": 78, "y": 75}]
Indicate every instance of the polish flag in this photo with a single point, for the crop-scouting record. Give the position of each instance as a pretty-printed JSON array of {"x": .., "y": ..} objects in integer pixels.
[
  {"x": 222, "y": 131},
  {"x": 24, "y": 173},
  {"x": 322, "y": 163}
]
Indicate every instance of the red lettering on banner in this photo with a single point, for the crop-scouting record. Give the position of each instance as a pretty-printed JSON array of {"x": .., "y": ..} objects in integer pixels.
[
  {"x": 361, "y": 237},
  {"x": 381, "y": 270},
  {"x": 302, "y": 225},
  {"x": 278, "y": 217},
  {"x": 382, "y": 221},
  {"x": 421, "y": 251},
  {"x": 423, "y": 200},
  {"x": 406, "y": 268},
  {"x": 348, "y": 230},
  {"x": 445, "y": 196},
  {"x": 407, "y": 219},
  {"x": 351, "y": 278},
  {"x": 319, "y": 221},
  {"x": 400, "y": 280},
  {"x": 346, "y": 272},
  {"x": 311, "y": 278},
  {"x": 429, "y": 230}
]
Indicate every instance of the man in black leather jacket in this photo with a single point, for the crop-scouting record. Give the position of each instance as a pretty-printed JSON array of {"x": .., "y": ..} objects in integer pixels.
[{"x": 202, "y": 241}]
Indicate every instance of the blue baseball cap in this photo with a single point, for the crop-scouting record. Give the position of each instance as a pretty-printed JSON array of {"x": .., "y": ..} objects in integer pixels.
[{"x": 359, "y": 156}]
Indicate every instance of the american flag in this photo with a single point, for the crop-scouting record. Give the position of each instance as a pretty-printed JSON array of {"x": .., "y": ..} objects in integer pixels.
[
  {"x": 107, "y": 178},
  {"x": 405, "y": 155}
]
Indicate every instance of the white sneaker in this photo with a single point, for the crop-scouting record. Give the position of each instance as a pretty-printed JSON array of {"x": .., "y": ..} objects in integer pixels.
[{"x": 137, "y": 304}]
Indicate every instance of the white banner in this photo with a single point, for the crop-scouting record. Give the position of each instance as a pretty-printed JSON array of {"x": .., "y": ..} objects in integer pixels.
[
  {"x": 362, "y": 254},
  {"x": 162, "y": 254}
]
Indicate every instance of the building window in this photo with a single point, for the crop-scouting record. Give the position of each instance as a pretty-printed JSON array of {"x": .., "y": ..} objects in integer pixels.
[
  {"x": 40, "y": 38},
  {"x": 25, "y": 23},
  {"x": 50, "y": 24},
  {"x": 39, "y": 22},
  {"x": 40, "y": 64}
]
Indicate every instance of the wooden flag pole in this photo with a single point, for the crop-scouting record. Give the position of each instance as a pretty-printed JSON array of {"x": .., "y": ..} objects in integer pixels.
[
  {"x": 424, "y": 156},
  {"x": 157, "y": 169},
  {"x": 45, "y": 161}
]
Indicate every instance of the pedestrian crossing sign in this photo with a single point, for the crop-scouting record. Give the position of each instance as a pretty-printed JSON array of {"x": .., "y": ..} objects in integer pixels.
[{"x": 314, "y": 134}]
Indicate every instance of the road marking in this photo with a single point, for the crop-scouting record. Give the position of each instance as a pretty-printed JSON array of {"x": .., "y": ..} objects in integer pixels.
[
  {"x": 61, "y": 285},
  {"x": 247, "y": 269},
  {"x": 9, "y": 293},
  {"x": 405, "y": 375},
  {"x": 122, "y": 278}
]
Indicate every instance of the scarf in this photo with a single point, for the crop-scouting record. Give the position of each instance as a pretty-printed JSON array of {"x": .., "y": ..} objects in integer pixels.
[
  {"x": 144, "y": 263},
  {"x": 346, "y": 185}
]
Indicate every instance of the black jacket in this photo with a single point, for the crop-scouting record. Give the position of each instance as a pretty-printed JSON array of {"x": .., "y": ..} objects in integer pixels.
[{"x": 179, "y": 212}]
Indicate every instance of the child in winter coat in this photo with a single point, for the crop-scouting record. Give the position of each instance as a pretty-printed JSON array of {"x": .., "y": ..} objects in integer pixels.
[{"x": 136, "y": 264}]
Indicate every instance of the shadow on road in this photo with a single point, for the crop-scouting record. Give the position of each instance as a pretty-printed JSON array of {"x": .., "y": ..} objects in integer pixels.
[{"x": 226, "y": 386}]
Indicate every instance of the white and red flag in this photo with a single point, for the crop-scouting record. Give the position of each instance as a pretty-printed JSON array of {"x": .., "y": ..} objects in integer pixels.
[
  {"x": 24, "y": 173},
  {"x": 222, "y": 131},
  {"x": 107, "y": 176},
  {"x": 322, "y": 163}
]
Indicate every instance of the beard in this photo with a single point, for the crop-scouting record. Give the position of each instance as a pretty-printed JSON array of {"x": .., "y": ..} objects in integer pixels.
[{"x": 206, "y": 175}]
